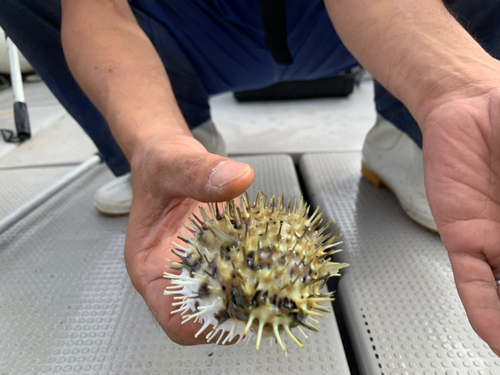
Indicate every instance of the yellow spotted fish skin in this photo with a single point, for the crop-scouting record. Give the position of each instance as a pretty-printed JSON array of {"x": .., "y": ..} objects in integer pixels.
[{"x": 254, "y": 268}]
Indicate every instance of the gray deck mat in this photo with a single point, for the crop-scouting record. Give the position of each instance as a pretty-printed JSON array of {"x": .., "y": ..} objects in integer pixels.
[
  {"x": 67, "y": 305},
  {"x": 20, "y": 185},
  {"x": 398, "y": 296}
]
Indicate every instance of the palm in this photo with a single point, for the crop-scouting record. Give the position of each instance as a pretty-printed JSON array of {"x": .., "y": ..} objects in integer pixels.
[
  {"x": 147, "y": 250},
  {"x": 462, "y": 175}
]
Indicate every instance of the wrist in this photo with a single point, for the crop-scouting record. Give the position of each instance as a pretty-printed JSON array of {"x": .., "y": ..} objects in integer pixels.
[
  {"x": 152, "y": 151},
  {"x": 456, "y": 78},
  {"x": 140, "y": 129},
  {"x": 465, "y": 79},
  {"x": 161, "y": 127}
]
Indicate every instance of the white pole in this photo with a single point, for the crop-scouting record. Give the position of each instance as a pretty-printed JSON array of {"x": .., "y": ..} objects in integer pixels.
[
  {"x": 15, "y": 72},
  {"x": 29, "y": 206}
]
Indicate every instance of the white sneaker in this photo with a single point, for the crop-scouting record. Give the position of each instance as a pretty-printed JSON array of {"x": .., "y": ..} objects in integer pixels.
[
  {"x": 392, "y": 159},
  {"x": 210, "y": 138},
  {"x": 115, "y": 198}
]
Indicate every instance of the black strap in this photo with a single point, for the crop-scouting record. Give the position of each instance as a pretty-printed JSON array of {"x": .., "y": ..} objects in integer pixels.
[{"x": 274, "y": 18}]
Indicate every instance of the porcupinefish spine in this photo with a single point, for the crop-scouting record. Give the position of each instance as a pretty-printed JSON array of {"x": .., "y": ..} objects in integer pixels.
[{"x": 254, "y": 268}]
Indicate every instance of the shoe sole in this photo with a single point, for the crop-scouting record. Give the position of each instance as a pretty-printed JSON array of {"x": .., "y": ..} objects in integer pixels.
[
  {"x": 378, "y": 182},
  {"x": 111, "y": 214}
]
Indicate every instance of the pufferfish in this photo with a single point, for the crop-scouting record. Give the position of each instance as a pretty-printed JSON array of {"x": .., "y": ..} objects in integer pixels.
[{"x": 255, "y": 268}]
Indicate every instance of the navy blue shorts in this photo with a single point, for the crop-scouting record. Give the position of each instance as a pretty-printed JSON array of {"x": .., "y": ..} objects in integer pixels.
[{"x": 209, "y": 47}]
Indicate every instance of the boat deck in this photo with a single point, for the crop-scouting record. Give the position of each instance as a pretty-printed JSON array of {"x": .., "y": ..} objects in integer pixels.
[{"x": 67, "y": 305}]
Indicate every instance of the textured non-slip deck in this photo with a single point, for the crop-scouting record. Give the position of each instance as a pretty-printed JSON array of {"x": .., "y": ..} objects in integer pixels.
[
  {"x": 20, "y": 185},
  {"x": 67, "y": 305},
  {"x": 402, "y": 310}
]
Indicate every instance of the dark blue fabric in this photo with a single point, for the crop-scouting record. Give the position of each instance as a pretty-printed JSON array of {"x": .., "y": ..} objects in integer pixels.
[
  {"x": 225, "y": 41},
  {"x": 481, "y": 18}
]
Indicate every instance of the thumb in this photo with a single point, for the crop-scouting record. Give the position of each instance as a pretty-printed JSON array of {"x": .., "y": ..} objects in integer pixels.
[{"x": 207, "y": 177}]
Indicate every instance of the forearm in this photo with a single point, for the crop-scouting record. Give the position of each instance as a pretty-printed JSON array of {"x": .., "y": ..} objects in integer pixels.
[
  {"x": 416, "y": 49},
  {"x": 120, "y": 71}
]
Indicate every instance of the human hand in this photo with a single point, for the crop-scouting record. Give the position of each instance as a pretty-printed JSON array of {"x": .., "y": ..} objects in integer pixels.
[
  {"x": 170, "y": 177},
  {"x": 461, "y": 148}
]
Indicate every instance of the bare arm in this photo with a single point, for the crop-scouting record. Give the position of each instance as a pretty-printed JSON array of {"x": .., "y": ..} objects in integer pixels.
[
  {"x": 451, "y": 86},
  {"x": 415, "y": 49},
  {"x": 118, "y": 68}
]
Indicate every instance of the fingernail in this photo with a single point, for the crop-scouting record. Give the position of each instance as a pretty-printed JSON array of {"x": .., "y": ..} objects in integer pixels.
[{"x": 226, "y": 172}]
